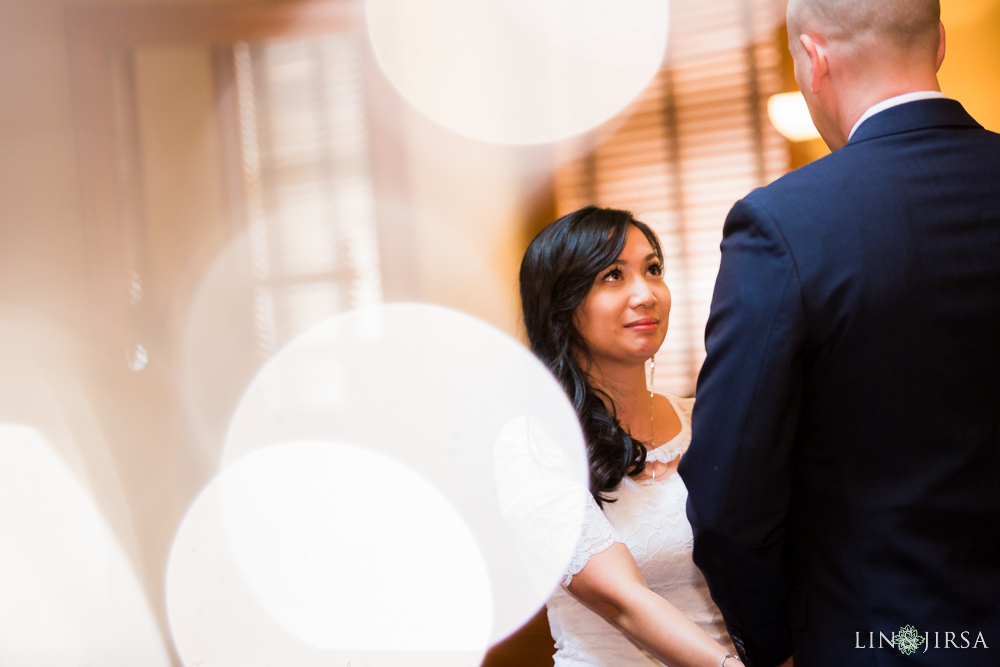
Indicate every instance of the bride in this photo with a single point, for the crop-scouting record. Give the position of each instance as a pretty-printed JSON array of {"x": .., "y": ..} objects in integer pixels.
[{"x": 596, "y": 309}]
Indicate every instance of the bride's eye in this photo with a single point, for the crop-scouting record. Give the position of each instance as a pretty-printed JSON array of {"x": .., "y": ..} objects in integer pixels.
[
  {"x": 656, "y": 269},
  {"x": 614, "y": 273}
]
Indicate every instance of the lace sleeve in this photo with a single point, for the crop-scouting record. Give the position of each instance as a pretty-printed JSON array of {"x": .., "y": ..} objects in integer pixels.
[
  {"x": 596, "y": 535},
  {"x": 542, "y": 493}
]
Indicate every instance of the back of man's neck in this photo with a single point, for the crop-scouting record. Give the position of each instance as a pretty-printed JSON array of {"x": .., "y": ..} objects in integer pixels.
[{"x": 890, "y": 88}]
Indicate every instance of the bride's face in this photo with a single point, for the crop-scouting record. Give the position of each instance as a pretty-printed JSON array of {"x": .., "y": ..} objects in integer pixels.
[{"x": 624, "y": 317}]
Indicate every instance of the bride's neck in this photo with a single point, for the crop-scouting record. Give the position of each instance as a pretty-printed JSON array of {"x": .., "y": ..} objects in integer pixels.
[{"x": 625, "y": 386}]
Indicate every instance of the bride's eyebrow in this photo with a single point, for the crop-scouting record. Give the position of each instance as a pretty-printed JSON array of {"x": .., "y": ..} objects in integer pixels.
[{"x": 645, "y": 259}]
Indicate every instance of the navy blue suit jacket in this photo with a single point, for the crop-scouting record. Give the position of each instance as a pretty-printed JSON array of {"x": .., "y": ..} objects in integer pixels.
[{"x": 844, "y": 474}]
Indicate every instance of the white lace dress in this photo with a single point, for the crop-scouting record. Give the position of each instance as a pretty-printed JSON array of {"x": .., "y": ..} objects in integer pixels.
[{"x": 650, "y": 518}]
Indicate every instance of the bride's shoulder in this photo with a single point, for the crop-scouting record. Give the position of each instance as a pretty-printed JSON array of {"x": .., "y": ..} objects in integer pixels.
[{"x": 684, "y": 406}]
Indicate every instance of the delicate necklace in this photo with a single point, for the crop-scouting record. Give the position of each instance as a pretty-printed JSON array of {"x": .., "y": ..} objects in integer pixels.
[{"x": 652, "y": 373}]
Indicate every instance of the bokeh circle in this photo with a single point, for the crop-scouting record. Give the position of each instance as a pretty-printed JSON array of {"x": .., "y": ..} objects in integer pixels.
[
  {"x": 385, "y": 395},
  {"x": 519, "y": 71}
]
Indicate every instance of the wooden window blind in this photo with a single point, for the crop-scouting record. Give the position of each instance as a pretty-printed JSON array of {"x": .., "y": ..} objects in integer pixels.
[
  {"x": 307, "y": 182},
  {"x": 695, "y": 142}
]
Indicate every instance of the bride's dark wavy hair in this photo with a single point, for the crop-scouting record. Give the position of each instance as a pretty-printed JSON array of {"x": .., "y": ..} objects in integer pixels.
[{"x": 557, "y": 272}]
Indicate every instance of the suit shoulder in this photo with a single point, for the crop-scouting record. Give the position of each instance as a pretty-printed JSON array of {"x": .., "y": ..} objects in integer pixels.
[
  {"x": 817, "y": 189},
  {"x": 805, "y": 180}
]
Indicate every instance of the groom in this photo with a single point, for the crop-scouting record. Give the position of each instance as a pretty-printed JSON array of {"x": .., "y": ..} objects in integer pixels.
[{"x": 844, "y": 475}]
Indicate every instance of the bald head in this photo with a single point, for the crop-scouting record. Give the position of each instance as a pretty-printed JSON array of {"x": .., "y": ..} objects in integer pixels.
[
  {"x": 852, "y": 54},
  {"x": 905, "y": 25}
]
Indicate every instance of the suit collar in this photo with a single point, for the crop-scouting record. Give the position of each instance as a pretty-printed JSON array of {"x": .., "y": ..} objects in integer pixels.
[{"x": 912, "y": 116}]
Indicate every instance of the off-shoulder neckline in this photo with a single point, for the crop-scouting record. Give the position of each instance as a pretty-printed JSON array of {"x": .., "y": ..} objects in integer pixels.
[{"x": 685, "y": 428}]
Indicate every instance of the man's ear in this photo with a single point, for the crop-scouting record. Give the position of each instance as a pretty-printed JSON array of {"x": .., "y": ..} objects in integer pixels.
[
  {"x": 940, "y": 53},
  {"x": 817, "y": 60}
]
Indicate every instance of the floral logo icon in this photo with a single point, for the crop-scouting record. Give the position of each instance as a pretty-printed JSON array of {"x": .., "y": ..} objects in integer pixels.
[{"x": 908, "y": 640}]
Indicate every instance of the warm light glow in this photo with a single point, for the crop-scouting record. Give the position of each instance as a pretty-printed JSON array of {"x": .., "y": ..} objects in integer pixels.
[
  {"x": 519, "y": 71},
  {"x": 790, "y": 116},
  {"x": 965, "y": 13}
]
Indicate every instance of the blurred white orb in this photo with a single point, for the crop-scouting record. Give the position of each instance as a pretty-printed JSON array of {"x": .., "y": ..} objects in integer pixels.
[
  {"x": 347, "y": 555},
  {"x": 68, "y": 592},
  {"x": 435, "y": 391},
  {"x": 519, "y": 71}
]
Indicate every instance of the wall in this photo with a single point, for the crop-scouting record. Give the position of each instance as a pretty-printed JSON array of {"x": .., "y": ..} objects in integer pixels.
[{"x": 971, "y": 69}]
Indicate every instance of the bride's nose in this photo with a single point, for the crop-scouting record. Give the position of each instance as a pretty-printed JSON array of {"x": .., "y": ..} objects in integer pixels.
[{"x": 641, "y": 295}]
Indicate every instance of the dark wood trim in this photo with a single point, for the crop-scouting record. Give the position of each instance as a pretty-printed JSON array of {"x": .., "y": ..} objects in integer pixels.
[
  {"x": 531, "y": 645},
  {"x": 224, "y": 23},
  {"x": 391, "y": 179},
  {"x": 227, "y": 106}
]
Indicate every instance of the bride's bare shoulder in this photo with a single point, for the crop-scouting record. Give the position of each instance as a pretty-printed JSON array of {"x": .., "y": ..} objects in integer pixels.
[{"x": 684, "y": 405}]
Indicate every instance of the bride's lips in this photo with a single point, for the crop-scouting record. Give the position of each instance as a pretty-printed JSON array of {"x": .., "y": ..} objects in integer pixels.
[{"x": 645, "y": 324}]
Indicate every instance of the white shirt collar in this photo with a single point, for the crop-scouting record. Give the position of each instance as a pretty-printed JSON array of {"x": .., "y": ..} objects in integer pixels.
[{"x": 896, "y": 101}]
